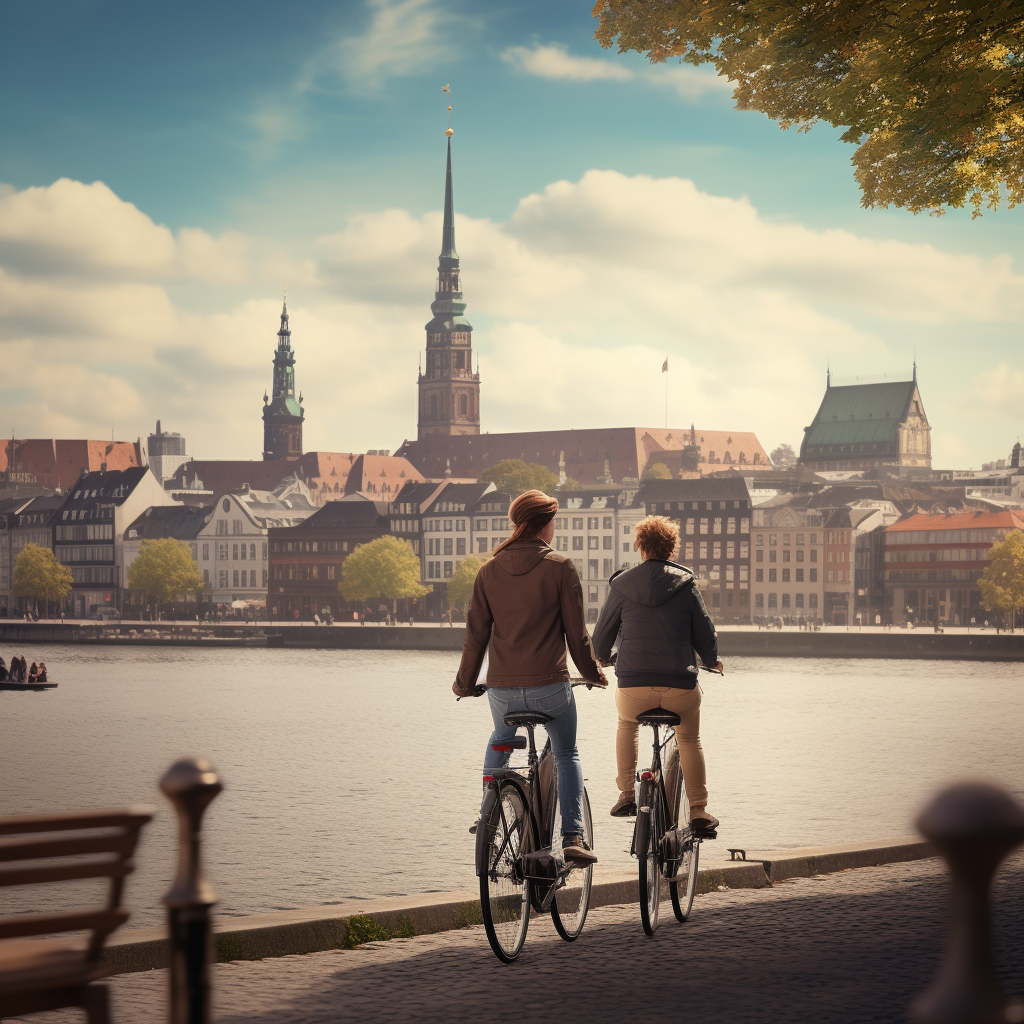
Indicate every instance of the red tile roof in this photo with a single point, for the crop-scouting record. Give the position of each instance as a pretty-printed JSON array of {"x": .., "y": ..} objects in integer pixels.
[
  {"x": 1009, "y": 518},
  {"x": 61, "y": 462}
]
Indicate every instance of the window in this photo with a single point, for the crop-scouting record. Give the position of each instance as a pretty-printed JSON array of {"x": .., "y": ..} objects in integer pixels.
[
  {"x": 800, "y": 556},
  {"x": 785, "y": 538},
  {"x": 813, "y": 553},
  {"x": 717, "y": 549},
  {"x": 773, "y": 539},
  {"x": 773, "y": 556},
  {"x": 206, "y": 577},
  {"x": 730, "y": 573},
  {"x": 730, "y": 526},
  {"x": 332, "y": 571},
  {"x": 760, "y": 539},
  {"x": 814, "y": 540},
  {"x": 625, "y": 547},
  {"x": 577, "y": 524},
  {"x": 689, "y": 550},
  {"x": 799, "y": 575},
  {"x": 689, "y": 526},
  {"x": 799, "y": 538},
  {"x": 625, "y": 530},
  {"x": 447, "y": 545},
  {"x": 481, "y": 524},
  {"x": 608, "y": 568},
  {"x": 607, "y": 543},
  {"x": 234, "y": 552},
  {"x": 460, "y": 525},
  {"x": 703, "y": 526},
  {"x": 481, "y": 545},
  {"x": 716, "y": 598},
  {"x": 593, "y": 523},
  {"x": 223, "y": 576},
  {"x": 785, "y": 555},
  {"x": 759, "y": 556},
  {"x": 607, "y": 523},
  {"x": 222, "y": 552},
  {"x": 592, "y": 568},
  {"x": 264, "y": 551},
  {"x": 773, "y": 600},
  {"x": 561, "y": 543},
  {"x": 222, "y": 526},
  {"x": 703, "y": 549},
  {"x": 592, "y": 543},
  {"x": 785, "y": 600},
  {"x": 799, "y": 600},
  {"x": 447, "y": 526},
  {"x": 592, "y": 597},
  {"x": 812, "y": 599},
  {"x": 494, "y": 543},
  {"x": 759, "y": 600},
  {"x": 252, "y": 552},
  {"x": 243, "y": 552},
  {"x": 718, "y": 526},
  {"x": 591, "y": 616},
  {"x": 730, "y": 549},
  {"x": 236, "y": 525},
  {"x": 759, "y": 575},
  {"x": 577, "y": 543},
  {"x": 744, "y": 549},
  {"x": 830, "y": 556},
  {"x": 234, "y": 578},
  {"x": 814, "y": 578},
  {"x": 460, "y": 545},
  {"x": 773, "y": 575},
  {"x": 264, "y": 577},
  {"x": 744, "y": 526},
  {"x": 252, "y": 577},
  {"x": 206, "y": 552},
  {"x": 785, "y": 576},
  {"x": 828, "y": 577}
]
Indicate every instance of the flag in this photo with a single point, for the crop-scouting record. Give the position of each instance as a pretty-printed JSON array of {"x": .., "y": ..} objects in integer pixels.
[{"x": 664, "y": 367}]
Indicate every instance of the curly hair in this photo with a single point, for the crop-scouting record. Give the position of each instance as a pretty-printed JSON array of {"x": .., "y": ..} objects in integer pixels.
[{"x": 657, "y": 537}]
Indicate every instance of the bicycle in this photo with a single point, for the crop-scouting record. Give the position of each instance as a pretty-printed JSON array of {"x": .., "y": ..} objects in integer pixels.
[
  {"x": 518, "y": 847},
  {"x": 664, "y": 842}
]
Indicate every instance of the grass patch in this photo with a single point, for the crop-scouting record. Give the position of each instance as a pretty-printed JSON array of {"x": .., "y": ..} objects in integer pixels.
[{"x": 362, "y": 929}]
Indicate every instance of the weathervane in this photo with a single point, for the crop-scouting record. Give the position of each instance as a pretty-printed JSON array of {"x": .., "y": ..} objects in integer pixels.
[{"x": 449, "y": 131}]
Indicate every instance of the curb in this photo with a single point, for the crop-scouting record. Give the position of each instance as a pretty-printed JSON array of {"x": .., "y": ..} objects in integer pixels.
[{"x": 315, "y": 929}]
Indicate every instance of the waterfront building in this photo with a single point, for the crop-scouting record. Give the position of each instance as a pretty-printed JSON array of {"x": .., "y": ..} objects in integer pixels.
[
  {"x": 55, "y": 464},
  {"x": 867, "y": 426},
  {"x": 490, "y": 522},
  {"x": 232, "y": 547},
  {"x": 283, "y": 414},
  {"x": 306, "y": 559},
  {"x": 933, "y": 564},
  {"x": 23, "y": 521},
  {"x": 179, "y": 522},
  {"x": 788, "y": 555},
  {"x": 714, "y": 516},
  {"x": 165, "y": 453},
  {"x": 89, "y": 530},
  {"x": 448, "y": 387}
]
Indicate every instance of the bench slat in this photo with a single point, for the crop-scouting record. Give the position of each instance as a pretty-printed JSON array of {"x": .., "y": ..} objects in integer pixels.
[
  {"x": 22, "y": 925},
  {"x": 34, "y": 849},
  {"x": 65, "y": 872},
  {"x": 133, "y": 817}
]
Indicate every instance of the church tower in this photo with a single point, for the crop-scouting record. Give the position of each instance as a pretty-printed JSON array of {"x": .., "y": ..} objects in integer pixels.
[
  {"x": 449, "y": 390},
  {"x": 282, "y": 414}
]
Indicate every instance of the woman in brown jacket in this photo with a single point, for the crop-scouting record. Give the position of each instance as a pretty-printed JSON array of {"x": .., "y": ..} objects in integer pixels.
[{"x": 527, "y": 604}]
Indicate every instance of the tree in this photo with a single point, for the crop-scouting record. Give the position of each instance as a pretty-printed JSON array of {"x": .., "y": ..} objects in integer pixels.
[
  {"x": 783, "y": 457},
  {"x": 386, "y": 567},
  {"x": 516, "y": 476},
  {"x": 460, "y": 586},
  {"x": 39, "y": 576},
  {"x": 659, "y": 471},
  {"x": 571, "y": 484},
  {"x": 1002, "y": 583},
  {"x": 165, "y": 569},
  {"x": 930, "y": 91}
]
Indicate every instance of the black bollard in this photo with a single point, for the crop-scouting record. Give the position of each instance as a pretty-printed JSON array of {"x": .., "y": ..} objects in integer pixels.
[
  {"x": 974, "y": 825},
  {"x": 190, "y": 784}
]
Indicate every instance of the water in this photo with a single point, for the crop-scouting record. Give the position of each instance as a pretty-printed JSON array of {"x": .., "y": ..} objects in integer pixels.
[{"x": 352, "y": 775}]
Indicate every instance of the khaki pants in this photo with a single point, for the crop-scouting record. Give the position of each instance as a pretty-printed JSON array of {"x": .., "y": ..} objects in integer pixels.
[{"x": 631, "y": 701}]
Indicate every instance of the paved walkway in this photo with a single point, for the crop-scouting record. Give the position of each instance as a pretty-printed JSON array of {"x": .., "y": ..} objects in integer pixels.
[{"x": 851, "y": 947}]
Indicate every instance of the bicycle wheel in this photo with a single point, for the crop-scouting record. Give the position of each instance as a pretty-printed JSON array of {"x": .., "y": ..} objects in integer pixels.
[
  {"x": 648, "y": 840},
  {"x": 504, "y": 891},
  {"x": 571, "y": 903},
  {"x": 684, "y": 883}
]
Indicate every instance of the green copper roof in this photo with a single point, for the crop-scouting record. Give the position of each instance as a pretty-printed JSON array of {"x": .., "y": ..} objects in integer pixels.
[
  {"x": 448, "y": 234},
  {"x": 859, "y": 414}
]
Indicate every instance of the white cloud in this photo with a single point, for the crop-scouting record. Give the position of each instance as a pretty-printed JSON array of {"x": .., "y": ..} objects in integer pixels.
[
  {"x": 577, "y": 298},
  {"x": 554, "y": 61}
]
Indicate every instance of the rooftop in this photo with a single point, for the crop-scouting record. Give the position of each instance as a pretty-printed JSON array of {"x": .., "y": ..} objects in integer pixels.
[
  {"x": 866, "y": 416},
  {"x": 1008, "y": 519}
]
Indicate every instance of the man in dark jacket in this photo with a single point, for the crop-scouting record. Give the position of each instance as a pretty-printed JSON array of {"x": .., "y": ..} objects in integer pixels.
[{"x": 656, "y": 617}]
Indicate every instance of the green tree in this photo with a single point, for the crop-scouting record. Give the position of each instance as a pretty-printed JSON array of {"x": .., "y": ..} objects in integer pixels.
[
  {"x": 571, "y": 484},
  {"x": 39, "y": 576},
  {"x": 516, "y": 476},
  {"x": 1002, "y": 583},
  {"x": 930, "y": 91},
  {"x": 165, "y": 570},
  {"x": 659, "y": 471},
  {"x": 386, "y": 567},
  {"x": 783, "y": 457},
  {"x": 460, "y": 586}
]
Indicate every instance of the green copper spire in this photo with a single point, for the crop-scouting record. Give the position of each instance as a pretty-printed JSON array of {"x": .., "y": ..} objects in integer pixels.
[{"x": 448, "y": 234}]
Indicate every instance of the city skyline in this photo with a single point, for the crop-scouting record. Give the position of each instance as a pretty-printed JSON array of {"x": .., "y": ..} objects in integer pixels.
[{"x": 592, "y": 247}]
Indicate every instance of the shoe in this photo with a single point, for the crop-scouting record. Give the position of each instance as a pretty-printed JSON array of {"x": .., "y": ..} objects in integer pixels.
[
  {"x": 625, "y": 806},
  {"x": 576, "y": 850},
  {"x": 704, "y": 826},
  {"x": 472, "y": 828}
]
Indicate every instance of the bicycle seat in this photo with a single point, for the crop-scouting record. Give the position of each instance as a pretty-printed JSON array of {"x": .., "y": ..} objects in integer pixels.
[
  {"x": 518, "y": 718},
  {"x": 658, "y": 716}
]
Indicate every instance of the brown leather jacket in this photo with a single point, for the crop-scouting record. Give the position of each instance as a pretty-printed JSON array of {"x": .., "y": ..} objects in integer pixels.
[{"x": 527, "y": 604}]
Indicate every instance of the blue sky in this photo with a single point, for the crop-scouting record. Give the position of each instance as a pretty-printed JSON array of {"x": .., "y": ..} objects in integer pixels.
[{"x": 610, "y": 213}]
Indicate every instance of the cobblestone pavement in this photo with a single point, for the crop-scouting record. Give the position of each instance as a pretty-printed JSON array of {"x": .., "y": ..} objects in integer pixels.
[{"x": 851, "y": 947}]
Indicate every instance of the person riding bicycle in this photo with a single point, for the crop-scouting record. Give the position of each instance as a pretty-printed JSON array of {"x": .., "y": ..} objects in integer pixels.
[
  {"x": 527, "y": 604},
  {"x": 656, "y": 615}
]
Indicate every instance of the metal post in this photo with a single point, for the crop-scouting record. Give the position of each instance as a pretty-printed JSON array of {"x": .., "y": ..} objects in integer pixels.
[
  {"x": 190, "y": 785},
  {"x": 974, "y": 825}
]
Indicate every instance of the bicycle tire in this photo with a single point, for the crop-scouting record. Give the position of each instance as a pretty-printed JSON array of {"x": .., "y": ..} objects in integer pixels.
[
  {"x": 686, "y": 870},
  {"x": 648, "y": 841},
  {"x": 504, "y": 891},
  {"x": 571, "y": 903}
]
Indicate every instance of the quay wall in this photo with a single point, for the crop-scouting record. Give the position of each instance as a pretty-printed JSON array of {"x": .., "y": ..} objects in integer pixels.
[{"x": 733, "y": 642}]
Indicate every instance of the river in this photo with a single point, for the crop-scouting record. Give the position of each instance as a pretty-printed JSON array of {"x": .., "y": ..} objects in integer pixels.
[{"x": 352, "y": 775}]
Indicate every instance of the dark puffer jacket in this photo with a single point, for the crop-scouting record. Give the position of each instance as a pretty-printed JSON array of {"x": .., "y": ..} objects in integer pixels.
[{"x": 656, "y": 613}]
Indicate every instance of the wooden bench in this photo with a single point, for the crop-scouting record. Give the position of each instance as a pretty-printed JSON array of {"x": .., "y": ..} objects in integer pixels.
[{"x": 49, "y": 974}]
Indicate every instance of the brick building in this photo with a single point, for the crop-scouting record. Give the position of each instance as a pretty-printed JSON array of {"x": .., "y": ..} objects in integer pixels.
[{"x": 788, "y": 554}]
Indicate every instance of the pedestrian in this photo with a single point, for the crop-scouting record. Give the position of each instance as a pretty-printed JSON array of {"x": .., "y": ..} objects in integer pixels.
[
  {"x": 3, "y": 669},
  {"x": 527, "y": 605},
  {"x": 655, "y": 615}
]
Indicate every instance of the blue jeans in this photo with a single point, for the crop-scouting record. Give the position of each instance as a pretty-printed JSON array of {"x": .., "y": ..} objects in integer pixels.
[{"x": 554, "y": 699}]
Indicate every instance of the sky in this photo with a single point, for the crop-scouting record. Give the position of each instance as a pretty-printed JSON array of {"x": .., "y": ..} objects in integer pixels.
[{"x": 167, "y": 168}]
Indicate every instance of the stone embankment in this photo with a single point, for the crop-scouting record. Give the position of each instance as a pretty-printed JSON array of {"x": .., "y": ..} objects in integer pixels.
[
  {"x": 316, "y": 929},
  {"x": 734, "y": 642}
]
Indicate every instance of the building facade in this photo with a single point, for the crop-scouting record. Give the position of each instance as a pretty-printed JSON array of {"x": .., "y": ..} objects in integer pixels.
[
  {"x": 165, "y": 453},
  {"x": 788, "y": 555},
  {"x": 449, "y": 389},
  {"x": 283, "y": 414},
  {"x": 866, "y": 426},
  {"x": 933, "y": 564},
  {"x": 23, "y": 521}
]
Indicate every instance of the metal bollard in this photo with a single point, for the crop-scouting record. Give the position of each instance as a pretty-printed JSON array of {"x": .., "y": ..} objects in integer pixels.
[
  {"x": 190, "y": 784},
  {"x": 974, "y": 825}
]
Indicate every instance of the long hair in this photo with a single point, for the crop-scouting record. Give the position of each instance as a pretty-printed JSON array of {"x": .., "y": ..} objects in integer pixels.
[{"x": 529, "y": 514}]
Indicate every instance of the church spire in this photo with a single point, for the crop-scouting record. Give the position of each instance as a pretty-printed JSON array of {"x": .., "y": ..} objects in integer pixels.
[
  {"x": 283, "y": 415},
  {"x": 448, "y": 232}
]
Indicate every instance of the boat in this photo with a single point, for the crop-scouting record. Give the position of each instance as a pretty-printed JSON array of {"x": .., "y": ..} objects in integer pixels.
[{"x": 8, "y": 685}]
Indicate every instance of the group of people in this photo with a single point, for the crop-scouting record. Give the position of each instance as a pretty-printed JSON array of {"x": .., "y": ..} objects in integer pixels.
[
  {"x": 527, "y": 606},
  {"x": 21, "y": 672}
]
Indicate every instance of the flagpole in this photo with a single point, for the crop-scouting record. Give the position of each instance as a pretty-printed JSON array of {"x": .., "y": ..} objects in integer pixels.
[{"x": 666, "y": 393}]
